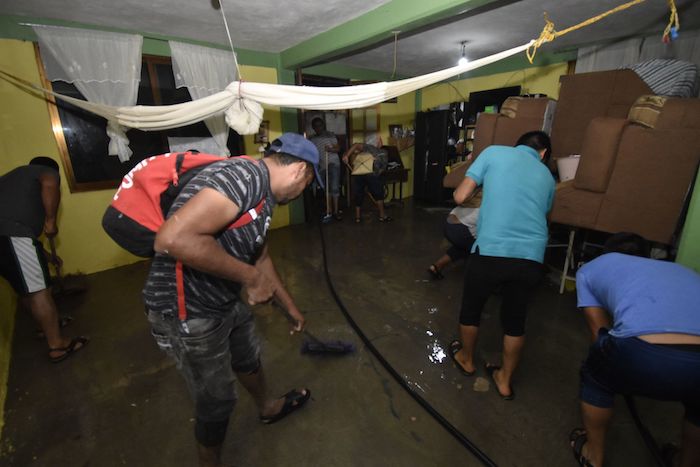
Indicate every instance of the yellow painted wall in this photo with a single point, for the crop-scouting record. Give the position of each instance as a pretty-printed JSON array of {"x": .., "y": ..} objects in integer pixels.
[{"x": 532, "y": 80}]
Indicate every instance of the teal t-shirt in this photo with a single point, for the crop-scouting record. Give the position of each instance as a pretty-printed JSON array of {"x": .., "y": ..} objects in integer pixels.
[
  {"x": 644, "y": 296},
  {"x": 518, "y": 191}
]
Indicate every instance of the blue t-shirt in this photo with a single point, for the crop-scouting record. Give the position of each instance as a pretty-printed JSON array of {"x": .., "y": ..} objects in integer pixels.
[
  {"x": 517, "y": 195},
  {"x": 643, "y": 296}
]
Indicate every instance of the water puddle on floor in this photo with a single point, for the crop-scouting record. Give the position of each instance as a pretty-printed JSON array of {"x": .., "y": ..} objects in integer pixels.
[{"x": 436, "y": 354}]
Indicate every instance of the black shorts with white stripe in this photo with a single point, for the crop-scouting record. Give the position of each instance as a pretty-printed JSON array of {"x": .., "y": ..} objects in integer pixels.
[{"x": 23, "y": 264}]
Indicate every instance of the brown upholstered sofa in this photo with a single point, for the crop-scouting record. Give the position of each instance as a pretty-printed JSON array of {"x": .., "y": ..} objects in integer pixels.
[
  {"x": 634, "y": 171},
  {"x": 585, "y": 96}
]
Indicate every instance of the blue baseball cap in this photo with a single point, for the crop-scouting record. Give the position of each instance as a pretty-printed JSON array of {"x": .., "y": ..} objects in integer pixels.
[{"x": 300, "y": 147}]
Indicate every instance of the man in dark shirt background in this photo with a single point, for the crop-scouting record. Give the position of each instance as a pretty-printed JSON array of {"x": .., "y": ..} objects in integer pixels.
[{"x": 29, "y": 199}]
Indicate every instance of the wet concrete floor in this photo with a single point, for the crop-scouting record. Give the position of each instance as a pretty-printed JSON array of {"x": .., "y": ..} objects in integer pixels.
[{"x": 121, "y": 402}]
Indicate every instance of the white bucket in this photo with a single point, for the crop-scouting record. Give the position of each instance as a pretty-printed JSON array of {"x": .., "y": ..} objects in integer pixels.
[{"x": 567, "y": 167}]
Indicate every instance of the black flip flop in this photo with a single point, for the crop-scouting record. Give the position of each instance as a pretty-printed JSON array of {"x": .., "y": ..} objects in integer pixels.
[
  {"x": 490, "y": 369},
  {"x": 69, "y": 350},
  {"x": 578, "y": 438},
  {"x": 293, "y": 400},
  {"x": 385, "y": 219},
  {"x": 456, "y": 346}
]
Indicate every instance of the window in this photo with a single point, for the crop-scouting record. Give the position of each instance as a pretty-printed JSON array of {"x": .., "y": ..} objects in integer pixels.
[
  {"x": 364, "y": 125},
  {"x": 81, "y": 136}
]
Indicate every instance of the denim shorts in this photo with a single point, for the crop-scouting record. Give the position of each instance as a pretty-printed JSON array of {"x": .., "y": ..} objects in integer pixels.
[
  {"x": 333, "y": 178},
  {"x": 631, "y": 366},
  {"x": 208, "y": 353}
]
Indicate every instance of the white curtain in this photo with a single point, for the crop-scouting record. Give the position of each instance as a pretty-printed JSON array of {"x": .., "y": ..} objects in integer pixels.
[
  {"x": 611, "y": 56},
  {"x": 104, "y": 66},
  {"x": 205, "y": 71}
]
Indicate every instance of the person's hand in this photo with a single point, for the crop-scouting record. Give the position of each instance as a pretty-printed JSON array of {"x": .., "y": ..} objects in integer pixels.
[
  {"x": 298, "y": 319},
  {"x": 55, "y": 260},
  {"x": 260, "y": 289},
  {"x": 50, "y": 229}
]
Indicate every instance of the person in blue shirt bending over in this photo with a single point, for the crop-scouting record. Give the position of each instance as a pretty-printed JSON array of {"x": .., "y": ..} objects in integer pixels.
[
  {"x": 511, "y": 236},
  {"x": 644, "y": 317}
]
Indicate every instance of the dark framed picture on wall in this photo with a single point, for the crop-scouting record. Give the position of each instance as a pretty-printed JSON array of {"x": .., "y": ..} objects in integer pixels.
[{"x": 396, "y": 131}]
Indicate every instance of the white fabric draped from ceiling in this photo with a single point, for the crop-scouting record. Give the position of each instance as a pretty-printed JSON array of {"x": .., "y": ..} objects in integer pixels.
[{"x": 241, "y": 101}]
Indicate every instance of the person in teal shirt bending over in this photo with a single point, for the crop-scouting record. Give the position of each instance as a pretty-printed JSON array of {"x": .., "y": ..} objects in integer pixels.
[{"x": 518, "y": 190}]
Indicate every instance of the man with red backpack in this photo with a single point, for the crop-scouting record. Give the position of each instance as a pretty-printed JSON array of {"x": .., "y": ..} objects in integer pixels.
[{"x": 193, "y": 290}]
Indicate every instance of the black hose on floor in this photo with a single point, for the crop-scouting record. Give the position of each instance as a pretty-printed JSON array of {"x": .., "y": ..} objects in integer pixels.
[{"x": 478, "y": 453}]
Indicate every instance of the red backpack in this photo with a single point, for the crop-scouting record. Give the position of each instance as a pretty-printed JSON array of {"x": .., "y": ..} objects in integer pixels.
[{"x": 146, "y": 194}]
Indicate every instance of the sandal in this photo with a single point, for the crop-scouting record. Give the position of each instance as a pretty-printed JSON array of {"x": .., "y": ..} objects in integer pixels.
[
  {"x": 293, "y": 400},
  {"x": 69, "y": 350},
  {"x": 456, "y": 346},
  {"x": 491, "y": 369},
  {"x": 62, "y": 323},
  {"x": 358, "y": 220},
  {"x": 435, "y": 273},
  {"x": 578, "y": 439},
  {"x": 385, "y": 219}
]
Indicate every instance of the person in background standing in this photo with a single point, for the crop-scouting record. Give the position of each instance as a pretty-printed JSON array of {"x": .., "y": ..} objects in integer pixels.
[
  {"x": 29, "y": 199},
  {"x": 328, "y": 148}
]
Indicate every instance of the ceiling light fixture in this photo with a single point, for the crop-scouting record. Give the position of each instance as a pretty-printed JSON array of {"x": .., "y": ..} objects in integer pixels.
[{"x": 463, "y": 60}]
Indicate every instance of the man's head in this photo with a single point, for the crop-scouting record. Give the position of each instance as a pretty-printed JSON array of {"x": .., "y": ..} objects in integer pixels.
[
  {"x": 627, "y": 243},
  {"x": 539, "y": 141},
  {"x": 318, "y": 125},
  {"x": 296, "y": 162},
  {"x": 44, "y": 162}
]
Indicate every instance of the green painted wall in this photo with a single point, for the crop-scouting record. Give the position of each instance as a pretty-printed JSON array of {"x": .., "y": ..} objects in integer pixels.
[{"x": 689, "y": 250}]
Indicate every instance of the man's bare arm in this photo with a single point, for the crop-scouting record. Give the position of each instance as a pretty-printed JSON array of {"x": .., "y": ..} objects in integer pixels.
[
  {"x": 267, "y": 268},
  {"x": 465, "y": 190},
  {"x": 50, "y": 198},
  {"x": 596, "y": 318},
  {"x": 189, "y": 236}
]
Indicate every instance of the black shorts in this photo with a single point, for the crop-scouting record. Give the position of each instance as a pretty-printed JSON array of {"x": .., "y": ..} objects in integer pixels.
[
  {"x": 518, "y": 279},
  {"x": 23, "y": 264},
  {"x": 372, "y": 182}
]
